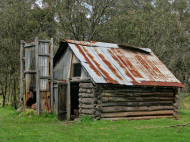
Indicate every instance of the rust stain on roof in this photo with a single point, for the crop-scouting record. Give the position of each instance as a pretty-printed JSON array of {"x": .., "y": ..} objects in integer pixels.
[
  {"x": 122, "y": 66},
  {"x": 154, "y": 67},
  {"x": 88, "y": 61},
  {"x": 106, "y": 74},
  {"x": 143, "y": 62},
  {"x": 110, "y": 66}
]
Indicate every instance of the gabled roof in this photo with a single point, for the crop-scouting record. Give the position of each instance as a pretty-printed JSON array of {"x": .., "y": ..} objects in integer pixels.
[{"x": 122, "y": 64}]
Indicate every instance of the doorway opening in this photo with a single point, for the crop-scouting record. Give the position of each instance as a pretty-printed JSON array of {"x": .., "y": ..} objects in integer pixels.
[{"x": 74, "y": 99}]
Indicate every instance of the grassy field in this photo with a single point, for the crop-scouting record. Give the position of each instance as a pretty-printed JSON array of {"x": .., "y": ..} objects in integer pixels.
[{"x": 31, "y": 128}]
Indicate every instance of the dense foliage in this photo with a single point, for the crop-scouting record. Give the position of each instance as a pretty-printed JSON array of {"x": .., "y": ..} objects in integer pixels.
[{"x": 161, "y": 25}]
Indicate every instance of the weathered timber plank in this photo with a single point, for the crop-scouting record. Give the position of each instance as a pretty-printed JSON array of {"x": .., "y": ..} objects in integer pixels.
[
  {"x": 137, "y": 103},
  {"x": 87, "y": 100},
  {"x": 117, "y": 94},
  {"x": 141, "y": 108},
  {"x": 85, "y": 90},
  {"x": 87, "y": 106},
  {"x": 38, "y": 100},
  {"x": 51, "y": 73},
  {"x": 122, "y": 99},
  {"x": 138, "y": 118},
  {"x": 87, "y": 111},
  {"x": 146, "y": 113},
  {"x": 86, "y": 85},
  {"x": 21, "y": 71},
  {"x": 86, "y": 95},
  {"x": 140, "y": 90}
]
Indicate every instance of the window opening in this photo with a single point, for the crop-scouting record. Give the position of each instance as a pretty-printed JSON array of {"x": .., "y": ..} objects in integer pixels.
[{"x": 77, "y": 70}]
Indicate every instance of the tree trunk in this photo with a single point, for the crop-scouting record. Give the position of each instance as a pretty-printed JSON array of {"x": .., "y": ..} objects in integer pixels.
[
  {"x": 5, "y": 92},
  {"x": 3, "y": 100},
  {"x": 15, "y": 101}
]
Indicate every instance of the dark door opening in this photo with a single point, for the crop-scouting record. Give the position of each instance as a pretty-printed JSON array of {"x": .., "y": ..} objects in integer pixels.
[{"x": 74, "y": 97}]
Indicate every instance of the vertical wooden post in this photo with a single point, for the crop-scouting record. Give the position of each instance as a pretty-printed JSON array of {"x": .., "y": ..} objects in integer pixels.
[
  {"x": 37, "y": 77},
  {"x": 51, "y": 73},
  {"x": 21, "y": 71},
  {"x": 68, "y": 99}
]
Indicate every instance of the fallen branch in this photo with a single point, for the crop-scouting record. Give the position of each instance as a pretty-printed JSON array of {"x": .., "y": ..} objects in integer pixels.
[{"x": 183, "y": 125}]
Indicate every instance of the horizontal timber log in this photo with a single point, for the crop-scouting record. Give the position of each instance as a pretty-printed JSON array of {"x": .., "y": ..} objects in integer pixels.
[
  {"x": 85, "y": 90},
  {"x": 141, "y": 113},
  {"x": 138, "y": 103},
  {"x": 86, "y": 85},
  {"x": 88, "y": 100},
  {"x": 138, "y": 118},
  {"x": 121, "y": 94},
  {"x": 87, "y": 106},
  {"x": 135, "y": 90},
  {"x": 88, "y": 111},
  {"x": 123, "y": 99},
  {"x": 142, "y": 108},
  {"x": 86, "y": 95}
]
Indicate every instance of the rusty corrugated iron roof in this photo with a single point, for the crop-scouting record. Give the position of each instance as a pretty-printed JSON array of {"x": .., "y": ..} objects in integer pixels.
[{"x": 108, "y": 63}]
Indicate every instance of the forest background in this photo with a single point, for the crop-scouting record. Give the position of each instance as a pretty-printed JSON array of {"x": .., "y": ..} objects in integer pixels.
[{"x": 161, "y": 25}]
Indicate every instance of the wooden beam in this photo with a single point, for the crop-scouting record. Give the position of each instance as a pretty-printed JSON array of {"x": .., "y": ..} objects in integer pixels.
[
  {"x": 125, "y": 99},
  {"x": 86, "y": 85},
  {"x": 140, "y": 113},
  {"x": 38, "y": 98},
  {"x": 140, "y": 108},
  {"x": 138, "y": 118},
  {"x": 81, "y": 80},
  {"x": 21, "y": 71},
  {"x": 51, "y": 73},
  {"x": 68, "y": 99},
  {"x": 153, "y": 103}
]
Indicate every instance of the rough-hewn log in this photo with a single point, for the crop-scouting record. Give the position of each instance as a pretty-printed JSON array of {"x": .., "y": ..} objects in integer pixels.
[
  {"x": 86, "y": 95},
  {"x": 136, "y": 103},
  {"x": 138, "y": 118},
  {"x": 123, "y": 99},
  {"x": 86, "y": 85},
  {"x": 136, "y": 90},
  {"x": 98, "y": 107},
  {"x": 98, "y": 90},
  {"x": 176, "y": 105},
  {"x": 85, "y": 90},
  {"x": 175, "y": 114},
  {"x": 176, "y": 99},
  {"x": 144, "y": 108},
  {"x": 97, "y": 113},
  {"x": 88, "y": 106},
  {"x": 124, "y": 94},
  {"x": 88, "y": 100},
  {"x": 140, "y": 113},
  {"x": 88, "y": 111}
]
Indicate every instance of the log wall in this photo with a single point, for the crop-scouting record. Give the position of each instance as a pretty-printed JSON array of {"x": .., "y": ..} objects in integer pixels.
[
  {"x": 88, "y": 99},
  {"x": 112, "y": 102}
]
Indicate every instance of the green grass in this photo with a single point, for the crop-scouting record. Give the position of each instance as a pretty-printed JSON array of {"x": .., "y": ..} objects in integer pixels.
[{"x": 31, "y": 128}]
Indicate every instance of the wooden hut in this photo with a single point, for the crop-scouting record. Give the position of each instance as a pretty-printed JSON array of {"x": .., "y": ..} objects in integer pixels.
[{"x": 112, "y": 82}]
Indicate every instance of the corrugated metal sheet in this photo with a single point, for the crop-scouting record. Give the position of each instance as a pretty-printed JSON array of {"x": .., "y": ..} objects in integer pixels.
[
  {"x": 30, "y": 79},
  {"x": 127, "y": 66},
  {"x": 44, "y": 72}
]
